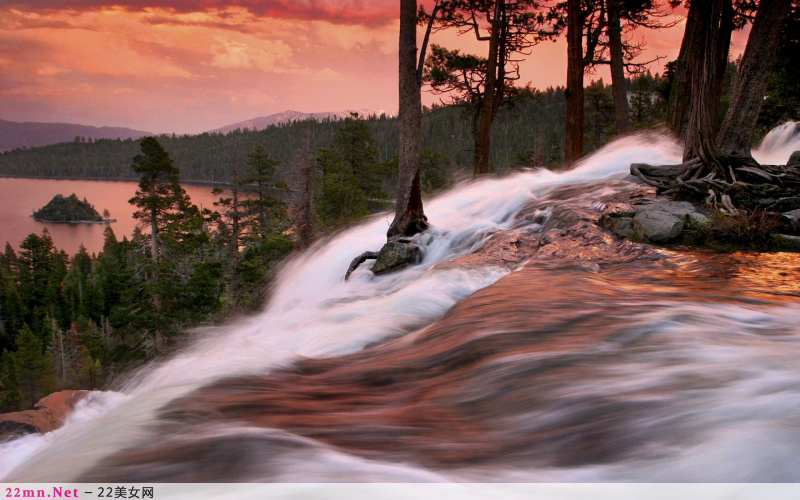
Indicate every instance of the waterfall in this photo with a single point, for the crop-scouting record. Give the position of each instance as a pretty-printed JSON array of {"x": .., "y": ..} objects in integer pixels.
[{"x": 313, "y": 313}]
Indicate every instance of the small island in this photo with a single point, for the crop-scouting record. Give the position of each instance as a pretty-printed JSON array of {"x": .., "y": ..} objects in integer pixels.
[{"x": 70, "y": 209}]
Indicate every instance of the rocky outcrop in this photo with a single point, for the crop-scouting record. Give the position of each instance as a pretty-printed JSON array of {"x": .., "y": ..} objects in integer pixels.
[
  {"x": 794, "y": 160},
  {"x": 395, "y": 255},
  {"x": 654, "y": 221},
  {"x": 47, "y": 415}
]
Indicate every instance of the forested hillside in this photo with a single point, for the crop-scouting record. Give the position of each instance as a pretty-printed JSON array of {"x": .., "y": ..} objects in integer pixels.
[{"x": 534, "y": 124}]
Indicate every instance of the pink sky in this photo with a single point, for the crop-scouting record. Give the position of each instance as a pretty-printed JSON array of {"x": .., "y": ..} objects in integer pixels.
[{"x": 191, "y": 66}]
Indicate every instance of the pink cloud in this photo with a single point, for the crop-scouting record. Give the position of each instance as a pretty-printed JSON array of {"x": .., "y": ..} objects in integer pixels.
[{"x": 369, "y": 12}]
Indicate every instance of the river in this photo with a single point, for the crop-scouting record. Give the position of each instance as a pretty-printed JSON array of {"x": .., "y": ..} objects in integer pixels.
[
  {"x": 22, "y": 197},
  {"x": 669, "y": 365}
]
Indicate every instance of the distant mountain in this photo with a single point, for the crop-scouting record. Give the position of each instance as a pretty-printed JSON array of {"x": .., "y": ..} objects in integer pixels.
[
  {"x": 263, "y": 122},
  {"x": 34, "y": 134}
]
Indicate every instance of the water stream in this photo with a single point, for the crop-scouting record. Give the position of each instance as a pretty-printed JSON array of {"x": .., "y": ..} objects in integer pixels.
[{"x": 684, "y": 372}]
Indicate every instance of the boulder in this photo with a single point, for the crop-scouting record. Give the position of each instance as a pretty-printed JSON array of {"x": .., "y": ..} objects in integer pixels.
[
  {"x": 619, "y": 224},
  {"x": 788, "y": 242},
  {"x": 48, "y": 414},
  {"x": 792, "y": 220},
  {"x": 656, "y": 226},
  {"x": 794, "y": 160},
  {"x": 663, "y": 221},
  {"x": 396, "y": 255}
]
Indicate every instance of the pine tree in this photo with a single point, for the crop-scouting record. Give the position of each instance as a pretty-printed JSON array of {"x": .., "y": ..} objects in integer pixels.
[
  {"x": 160, "y": 198},
  {"x": 260, "y": 207},
  {"x": 30, "y": 366},
  {"x": 351, "y": 174}
]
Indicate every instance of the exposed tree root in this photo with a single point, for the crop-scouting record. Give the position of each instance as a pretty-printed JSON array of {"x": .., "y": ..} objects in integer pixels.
[{"x": 738, "y": 177}]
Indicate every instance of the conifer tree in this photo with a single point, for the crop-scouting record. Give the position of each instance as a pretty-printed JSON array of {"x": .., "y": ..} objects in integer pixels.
[
  {"x": 30, "y": 366},
  {"x": 160, "y": 197}
]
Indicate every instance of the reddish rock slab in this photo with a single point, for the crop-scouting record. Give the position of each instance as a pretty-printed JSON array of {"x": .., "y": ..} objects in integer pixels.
[{"x": 48, "y": 414}]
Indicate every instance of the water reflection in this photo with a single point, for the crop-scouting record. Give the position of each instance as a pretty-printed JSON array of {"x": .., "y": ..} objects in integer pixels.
[{"x": 21, "y": 197}]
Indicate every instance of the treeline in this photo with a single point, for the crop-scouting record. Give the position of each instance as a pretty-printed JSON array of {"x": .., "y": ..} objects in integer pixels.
[
  {"x": 207, "y": 156},
  {"x": 532, "y": 130},
  {"x": 69, "y": 322}
]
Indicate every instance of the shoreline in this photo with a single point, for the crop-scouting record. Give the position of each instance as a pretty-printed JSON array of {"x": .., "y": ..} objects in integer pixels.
[
  {"x": 116, "y": 179},
  {"x": 104, "y": 221}
]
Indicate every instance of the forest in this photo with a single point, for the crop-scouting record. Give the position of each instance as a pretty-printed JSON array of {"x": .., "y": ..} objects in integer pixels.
[
  {"x": 78, "y": 321},
  {"x": 527, "y": 132}
]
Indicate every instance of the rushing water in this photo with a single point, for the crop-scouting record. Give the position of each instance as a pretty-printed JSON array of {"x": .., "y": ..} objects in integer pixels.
[{"x": 683, "y": 367}]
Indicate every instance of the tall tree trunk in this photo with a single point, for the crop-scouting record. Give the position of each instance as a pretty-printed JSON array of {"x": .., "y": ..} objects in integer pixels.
[
  {"x": 735, "y": 136},
  {"x": 235, "y": 238},
  {"x": 700, "y": 132},
  {"x": 153, "y": 225},
  {"x": 303, "y": 225},
  {"x": 722, "y": 51},
  {"x": 409, "y": 217},
  {"x": 154, "y": 247},
  {"x": 483, "y": 132},
  {"x": 621, "y": 116},
  {"x": 680, "y": 94},
  {"x": 573, "y": 144}
]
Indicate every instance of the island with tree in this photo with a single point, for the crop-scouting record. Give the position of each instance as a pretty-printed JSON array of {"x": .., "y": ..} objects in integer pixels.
[{"x": 70, "y": 209}]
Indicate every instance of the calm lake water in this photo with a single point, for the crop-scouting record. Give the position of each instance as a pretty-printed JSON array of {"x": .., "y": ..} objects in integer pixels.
[{"x": 21, "y": 197}]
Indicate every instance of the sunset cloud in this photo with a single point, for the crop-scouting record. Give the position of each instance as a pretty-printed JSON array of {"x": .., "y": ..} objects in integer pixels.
[
  {"x": 335, "y": 11},
  {"x": 190, "y": 66}
]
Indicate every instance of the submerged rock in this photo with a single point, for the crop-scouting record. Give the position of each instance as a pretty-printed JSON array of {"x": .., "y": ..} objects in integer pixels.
[{"x": 47, "y": 415}]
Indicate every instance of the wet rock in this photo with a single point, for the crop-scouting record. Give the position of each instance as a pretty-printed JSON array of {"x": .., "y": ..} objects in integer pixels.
[
  {"x": 47, "y": 415},
  {"x": 396, "y": 255}
]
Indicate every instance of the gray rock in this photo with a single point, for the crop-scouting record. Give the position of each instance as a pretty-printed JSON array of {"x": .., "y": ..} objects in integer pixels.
[
  {"x": 663, "y": 221},
  {"x": 656, "y": 226},
  {"x": 396, "y": 255},
  {"x": 695, "y": 220},
  {"x": 679, "y": 208},
  {"x": 794, "y": 160},
  {"x": 793, "y": 217},
  {"x": 622, "y": 226},
  {"x": 789, "y": 242}
]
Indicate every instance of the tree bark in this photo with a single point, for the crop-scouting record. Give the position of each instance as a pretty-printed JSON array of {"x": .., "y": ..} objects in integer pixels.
[
  {"x": 700, "y": 132},
  {"x": 409, "y": 217},
  {"x": 573, "y": 143},
  {"x": 722, "y": 52},
  {"x": 736, "y": 134},
  {"x": 621, "y": 116},
  {"x": 153, "y": 224},
  {"x": 483, "y": 132},
  {"x": 680, "y": 94}
]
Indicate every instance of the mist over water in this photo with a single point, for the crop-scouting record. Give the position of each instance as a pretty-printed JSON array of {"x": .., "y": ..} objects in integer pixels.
[{"x": 646, "y": 374}]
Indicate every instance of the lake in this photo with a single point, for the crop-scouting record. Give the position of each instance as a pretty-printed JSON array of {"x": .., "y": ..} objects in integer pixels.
[{"x": 21, "y": 197}]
